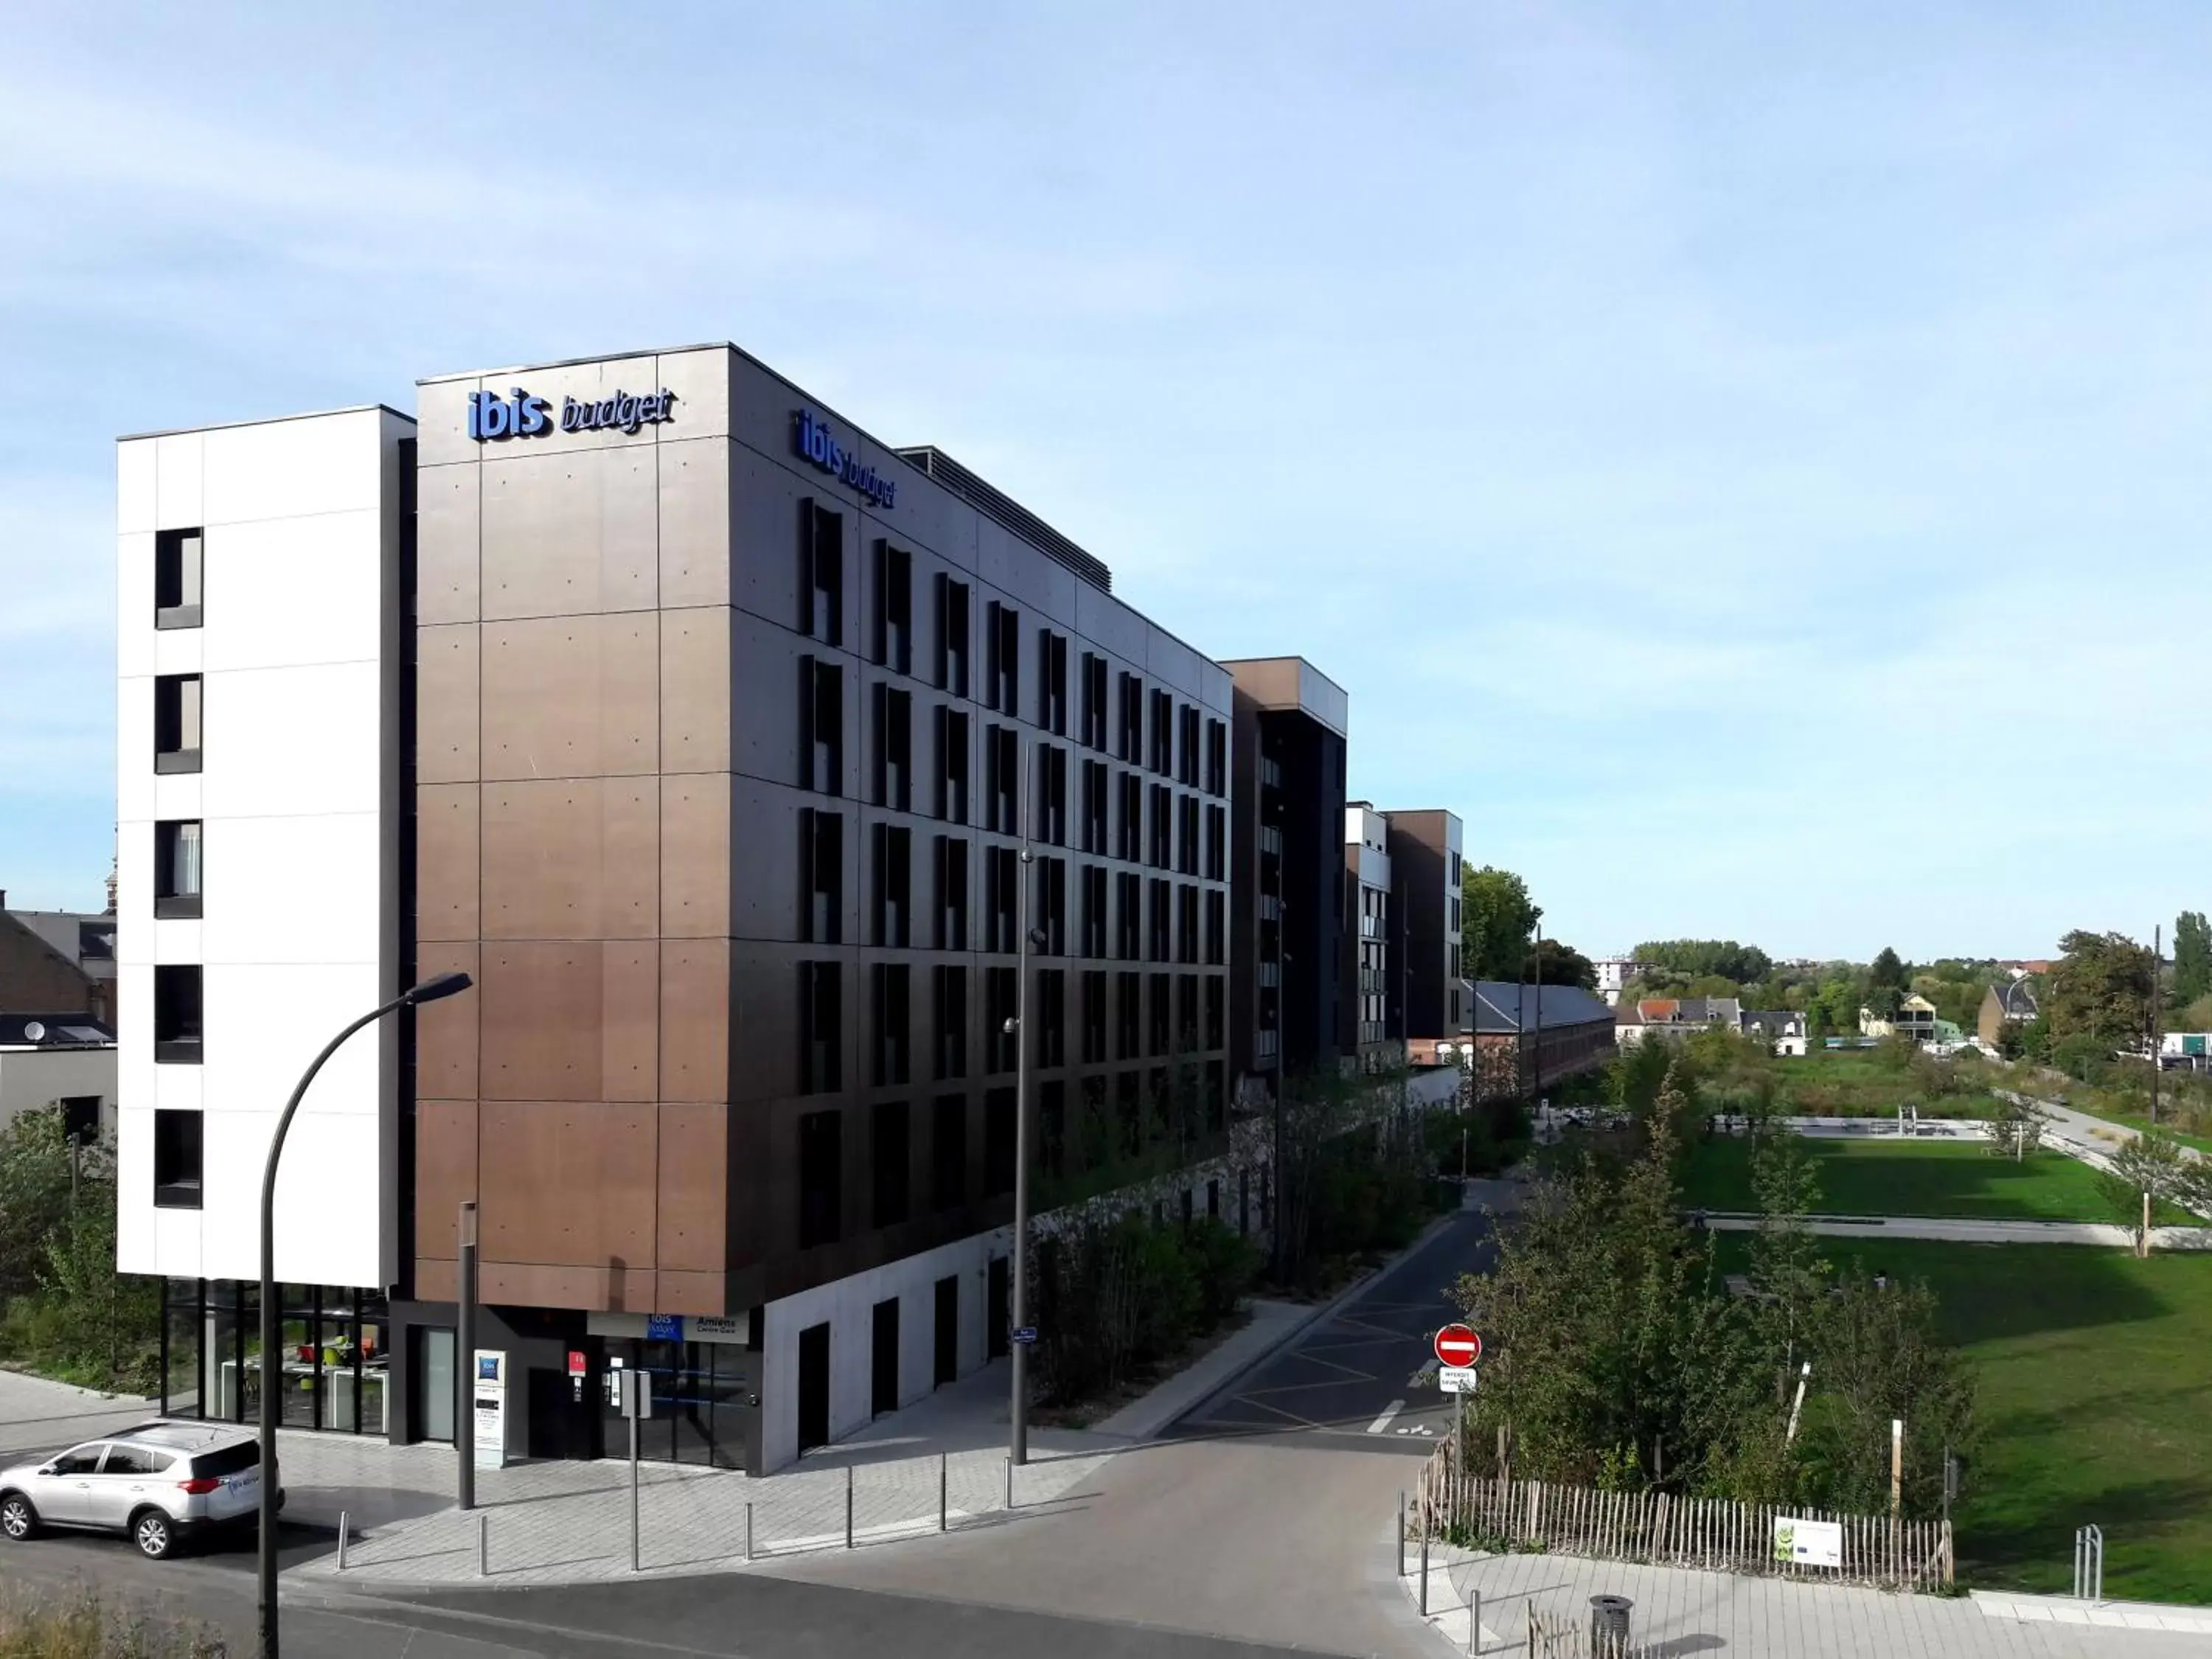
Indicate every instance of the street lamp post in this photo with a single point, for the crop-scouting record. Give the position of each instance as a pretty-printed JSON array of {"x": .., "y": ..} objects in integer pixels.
[
  {"x": 1018, "y": 1421},
  {"x": 430, "y": 990}
]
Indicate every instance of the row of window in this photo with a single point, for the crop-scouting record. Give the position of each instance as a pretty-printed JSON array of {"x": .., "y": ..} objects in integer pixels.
[
  {"x": 1174, "y": 739},
  {"x": 1150, "y": 920},
  {"x": 178, "y": 568},
  {"x": 1153, "y": 1015},
  {"x": 1142, "y": 1109}
]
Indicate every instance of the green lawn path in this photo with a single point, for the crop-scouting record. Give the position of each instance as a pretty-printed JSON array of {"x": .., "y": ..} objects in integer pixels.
[{"x": 1877, "y": 1176}]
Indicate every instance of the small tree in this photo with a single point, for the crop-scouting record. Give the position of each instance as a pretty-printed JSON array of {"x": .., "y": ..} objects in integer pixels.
[
  {"x": 2015, "y": 1126},
  {"x": 2152, "y": 1169},
  {"x": 1878, "y": 1357}
]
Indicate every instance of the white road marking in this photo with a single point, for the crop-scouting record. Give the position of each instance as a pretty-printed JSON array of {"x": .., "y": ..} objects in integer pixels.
[{"x": 1384, "y": 1421}]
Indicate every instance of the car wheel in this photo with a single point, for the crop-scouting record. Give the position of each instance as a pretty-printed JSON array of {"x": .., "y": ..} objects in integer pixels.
[
  {"x": 18, "y": 1520},
  {"x": 150, "y": 1532}
]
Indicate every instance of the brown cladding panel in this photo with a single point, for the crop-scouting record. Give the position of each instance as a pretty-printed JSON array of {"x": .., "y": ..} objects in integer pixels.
[
  {"x": 446, "y": 545},
  {"x": 707, "y": 1294},
  {"x": 694, "y": 1020},
  {"x": 572, "y": 696},
  {"x": 541, "y": 1008},
  {"x": 614, "y": 1288},
  {"x": 570, "y": 534},
  {"x": 695, "y": 691},
  {"x": 446, "y": 1031},
  {"x": 695, "y": 522},
  {"x": 568, "y": 1183},
  {"x": 695, "y": 1163},
  {"x": 445, "y": 1173},
  {"x": 445, "y": 689},
  {"x": 629, "y": 1059},
  {"x": 446, "y": 830},
  {"x": 695, "y": 856},
  {"x": 574, "y": 858}
]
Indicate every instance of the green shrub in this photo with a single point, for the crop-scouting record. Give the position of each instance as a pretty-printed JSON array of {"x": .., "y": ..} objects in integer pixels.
[{"x": 83, "y": 1626}]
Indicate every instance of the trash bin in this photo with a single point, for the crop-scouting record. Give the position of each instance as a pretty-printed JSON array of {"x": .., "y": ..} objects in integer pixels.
[{"x": 1609, "y": 1625}]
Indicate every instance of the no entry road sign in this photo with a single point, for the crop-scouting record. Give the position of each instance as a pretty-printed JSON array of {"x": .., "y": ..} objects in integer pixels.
[{"x": 1457, "y": 1347}]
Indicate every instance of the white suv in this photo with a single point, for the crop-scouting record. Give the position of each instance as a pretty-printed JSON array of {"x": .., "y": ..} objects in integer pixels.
[{"x": 159, "y": 1484}]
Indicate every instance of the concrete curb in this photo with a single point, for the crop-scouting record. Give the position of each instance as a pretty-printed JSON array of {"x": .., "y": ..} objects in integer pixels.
[{"x": 1325, "y": 1311}]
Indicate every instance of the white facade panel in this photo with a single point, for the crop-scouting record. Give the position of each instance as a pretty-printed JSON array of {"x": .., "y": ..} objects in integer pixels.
[
  {"x": 293, "y": 742},
  {"x": 297, "y": 536}
]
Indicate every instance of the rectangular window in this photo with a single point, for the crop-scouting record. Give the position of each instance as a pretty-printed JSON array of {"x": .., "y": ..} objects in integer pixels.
[
  {"x": 951, "y": 1022},
  {"x": 1052, "y": 1017},
  {"x": 889, "y": 994},
  {"x": 1052, "y": 682},
  {"x": 177, "y": 1014},
  {"x": 820, "y": 1025},
  {"x": 997, "y": 1142},
  {"x": 1216, "y": 930},
  {"x": 888, "y": 1161},
  {"x": 820, "y": 1177},
  {"x": 894, "y": 601},
  {"x": 1001, "y": 898},
  {"x": 1217, "y": 843},
  {"x": 1159, "y": 908},
  {"x": 177, "y": 579},
  {"x": 1163, "y": 847},
  {"x": 1187, "y": 835},
  {"x": 952, "y": 765},
  {"x": 1129, "y": 843},
  {"x": 948, "y": 1152},
  {"x": 1186, "y": 1012},
  {"x": 1185, "y": 923},
  {"x": 1094, "y": 701},
  {"x": 952, "y": 623},
  {"x": 1094, "y": 1017},
  {"x": 177, "y": 1142},
  {"x": 1002, "y": 780},
  {"x": 1132, "y": 693},
  {"x": 1051, "y": 912},
  {"x": 1162, "y": 1020},
  {"x": 894, "y": 748},
  {"x": 1093, "y": 880},
  {"x": 1129, "y": 913},
  {"x": 1162, "y": 730},
  {"x": 1217, "y": 757},
  {"x": 821, "y": 573},
  {"x": 1128, "y": 1016},
  {"x": 894, "y": 885},
  {"x": 177, "y": 723},
  {"x": 1001, "y": 990},
  {"x": 1094, "y": 806},
  {"x": 1002, "y": 661},
  {"x": 820, "y": 876},
  {"x": 1216, "y": 1025},
  {"x": 1052, "y": 788},
  {"x": 951, "y": 894},
  {"x": 821, "y": 726},
  {"x": 1186, "y": 745},
  {"x": 177, "y": 867}
]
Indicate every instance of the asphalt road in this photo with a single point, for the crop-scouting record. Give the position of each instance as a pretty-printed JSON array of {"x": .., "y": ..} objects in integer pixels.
[{"x": 1348, "y": 1381}]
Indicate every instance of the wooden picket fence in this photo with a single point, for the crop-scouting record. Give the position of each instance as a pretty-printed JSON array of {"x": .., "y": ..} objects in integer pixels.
[
  {"x": 1665, "y": 1529},
  {"x": 1562, "y": 1636}
]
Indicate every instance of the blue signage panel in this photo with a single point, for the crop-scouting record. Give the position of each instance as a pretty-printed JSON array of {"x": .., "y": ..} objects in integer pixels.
[
  {"x": 810, "y": 438},
  {"x": 1025, "y": 1335},
  {"x": 520, "y": 415},
  {"x": 663, "y": 1327}
]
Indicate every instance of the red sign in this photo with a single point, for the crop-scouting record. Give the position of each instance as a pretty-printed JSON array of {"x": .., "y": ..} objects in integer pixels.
[
  {"x": 1457, "y": 1347},
  {"x": 575, "y": 1362}
]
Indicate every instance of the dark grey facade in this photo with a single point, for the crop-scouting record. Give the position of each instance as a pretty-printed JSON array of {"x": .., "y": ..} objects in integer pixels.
[{"x": 1425, "y": 923}]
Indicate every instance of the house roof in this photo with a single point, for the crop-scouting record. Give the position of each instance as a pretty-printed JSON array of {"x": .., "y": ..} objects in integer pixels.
[
  {"x": 1773, "y": 1019},
  {"x": 2015, "y": 1000},
  {"x": 74, "y": 1030},
  {"x": 84, "y": 940},
  {"x": 1679, "y": 1011},
  {"x": 1498, "y": 1006}
]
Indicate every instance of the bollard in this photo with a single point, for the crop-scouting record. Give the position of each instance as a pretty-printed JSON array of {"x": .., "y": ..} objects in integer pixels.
[
  {"x": 1475, "y": 1621},
  {"x": 1401, "y": 1532},
  {"x": 343, "y": 1530},
  {"x": 484, "y": 1545},
  {"x": 749, "y": 1532},
  {"x": 848, "y": 1506},
  {"x": 1010, "y": 1483},
  {"x": 943, "y": 1482},
  {"x": 1424, "y": 1572}
]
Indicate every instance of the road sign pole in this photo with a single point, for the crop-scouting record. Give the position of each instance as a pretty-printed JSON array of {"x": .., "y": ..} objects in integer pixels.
[{"x": 632, "y": 1382}]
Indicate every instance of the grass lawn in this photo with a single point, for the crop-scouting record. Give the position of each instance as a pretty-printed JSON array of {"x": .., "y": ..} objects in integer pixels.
[{"x": 1913, "y": 1177}]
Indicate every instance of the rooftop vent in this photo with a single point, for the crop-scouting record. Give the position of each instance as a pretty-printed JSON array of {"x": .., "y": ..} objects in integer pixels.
[{"x": 1003, "y": 509}]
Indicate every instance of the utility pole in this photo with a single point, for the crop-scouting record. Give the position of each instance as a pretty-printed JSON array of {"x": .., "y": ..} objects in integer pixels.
[
  {"x": 464, "y": 1361},
  {"x": 1536, "y": 1052},
  {"x": 1018, "y": 1350},
  {"x": 2157, "y": 943}
]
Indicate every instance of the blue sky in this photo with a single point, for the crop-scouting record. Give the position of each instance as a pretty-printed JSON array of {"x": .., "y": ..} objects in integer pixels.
[{"x": 1752, "y": 465}]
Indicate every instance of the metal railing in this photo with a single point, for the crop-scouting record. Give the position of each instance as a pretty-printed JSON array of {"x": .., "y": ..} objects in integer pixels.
[{"x": 2089, "y": 1564}]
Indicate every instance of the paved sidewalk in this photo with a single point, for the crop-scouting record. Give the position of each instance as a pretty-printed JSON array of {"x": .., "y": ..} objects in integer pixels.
[
  {"x": 37, "y": 1415},
  {"x": 1981, "y": 1233},
  {"x": 1685, "y": 1611}
]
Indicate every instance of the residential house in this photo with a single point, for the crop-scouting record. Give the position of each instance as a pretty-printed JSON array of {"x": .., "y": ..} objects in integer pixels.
[
  {"x": 1613, "y": 975},
  {"x": 1784, "y": 1030},
  {"x": 1526, "y": 1038},
  {"x": 57, "y": 960},
  {"x": 1672, "y": 1016},
  {"x": 1915, "y": 1019},
  {"x": 65, "y": 1060},
  {"x": 2009, "y": 1004}
]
